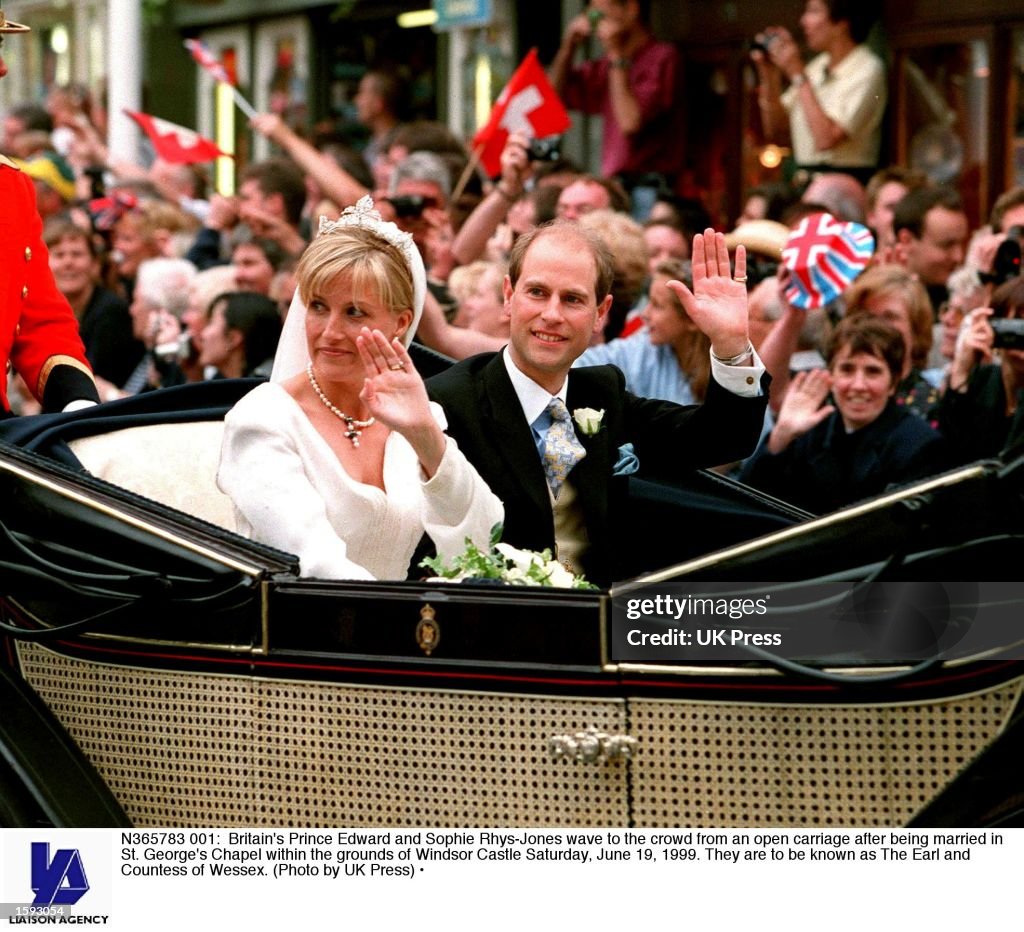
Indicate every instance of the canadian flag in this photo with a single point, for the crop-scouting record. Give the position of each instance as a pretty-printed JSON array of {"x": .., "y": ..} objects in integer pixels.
[
  {"x": 174, "y": 143},
  {"x": 528, "y": 104}
]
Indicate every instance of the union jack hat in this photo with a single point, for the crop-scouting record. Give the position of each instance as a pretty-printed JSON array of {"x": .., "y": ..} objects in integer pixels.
[{"x": 825, "y": 255}]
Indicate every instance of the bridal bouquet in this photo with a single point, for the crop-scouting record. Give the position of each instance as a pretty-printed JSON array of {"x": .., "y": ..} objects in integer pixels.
[{"x": 508, "y": 564}]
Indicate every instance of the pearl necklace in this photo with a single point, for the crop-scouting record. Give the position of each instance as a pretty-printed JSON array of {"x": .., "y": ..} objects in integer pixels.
[{"x": 354, "y": 428}]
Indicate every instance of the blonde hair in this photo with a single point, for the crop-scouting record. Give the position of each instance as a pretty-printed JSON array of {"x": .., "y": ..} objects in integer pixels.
[
  {"x": 624, "y": 238},
  {"x": 695, "y": 356},
  {"x": 162, "y": 226},
  {"x": 464, "y": 280},
  {"x": 896, "y": 280},
  {"x": 372, "y": 262},
  {"x": 153, "y": 216}
]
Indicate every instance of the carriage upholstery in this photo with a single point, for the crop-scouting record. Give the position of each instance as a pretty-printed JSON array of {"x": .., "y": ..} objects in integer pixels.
[{"x": 174, "y": 464}]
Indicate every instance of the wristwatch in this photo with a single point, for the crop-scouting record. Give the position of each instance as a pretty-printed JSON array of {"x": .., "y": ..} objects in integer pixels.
[{"x": 622, "y": 63}]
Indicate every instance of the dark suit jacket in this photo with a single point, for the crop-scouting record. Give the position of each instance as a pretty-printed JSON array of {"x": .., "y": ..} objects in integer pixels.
[
  {"x": 487, "y": 422},
  {"x": 826, "y": 468}
]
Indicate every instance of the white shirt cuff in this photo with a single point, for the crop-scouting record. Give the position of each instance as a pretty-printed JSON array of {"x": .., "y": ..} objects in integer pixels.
[
  {"x": 744, "y": 381},
  {"x": 78, "y": 404}
]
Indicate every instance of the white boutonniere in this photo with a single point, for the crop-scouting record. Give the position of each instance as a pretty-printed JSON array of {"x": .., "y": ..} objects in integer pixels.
[{"x": 588, "y": 420}]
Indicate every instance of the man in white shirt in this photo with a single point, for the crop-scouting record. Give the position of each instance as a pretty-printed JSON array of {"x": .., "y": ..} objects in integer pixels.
[
  {"x": 503, "y": 408},
  {"x": 831, "y": 113}
]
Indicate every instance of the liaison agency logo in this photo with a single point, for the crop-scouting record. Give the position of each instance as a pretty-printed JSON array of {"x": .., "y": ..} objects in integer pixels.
[
  {"x": 55, "y": 877},
  {"x": 59, "y": 880}
]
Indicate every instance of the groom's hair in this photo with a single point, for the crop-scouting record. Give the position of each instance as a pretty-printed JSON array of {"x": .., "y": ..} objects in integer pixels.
[{"x": 566, "y": 229}]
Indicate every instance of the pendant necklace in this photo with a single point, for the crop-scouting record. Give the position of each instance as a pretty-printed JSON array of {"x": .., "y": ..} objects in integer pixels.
[{"x": 353, "y": 427}]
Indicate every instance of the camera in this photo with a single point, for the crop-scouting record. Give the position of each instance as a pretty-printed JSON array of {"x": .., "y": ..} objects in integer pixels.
[
  {"x": 1009, "y": 332},
  {"x": 411, "y": 205},
  {"x": 545, "y": 150},
  {"x": 1006, "y": 264},
  {"x": 762, "y": 43},
  {"x": 176, "y": 351}
]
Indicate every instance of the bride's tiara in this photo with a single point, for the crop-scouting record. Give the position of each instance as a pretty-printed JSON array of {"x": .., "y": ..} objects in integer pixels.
[{"x": 365, "y": 216}]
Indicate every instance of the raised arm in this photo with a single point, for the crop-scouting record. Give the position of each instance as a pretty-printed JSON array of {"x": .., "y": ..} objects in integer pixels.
[
  {"x": 625, "y": 106},
  {"x": 395, "y": 395},
  {"x": 718, "y": 302},
  {"x": 479, "y": 227},
  {"x": 782, "y": 340},
  {"x": 774, "y": 118},
  {"x": 801, "y": 409},
  {"x": 785, "y": 55},
  {"x": 458, "y": 503},
  {"x": 335, "y": 182},
  {"x": 575, "y": 33},
  {"x": 457, "y": 342}
]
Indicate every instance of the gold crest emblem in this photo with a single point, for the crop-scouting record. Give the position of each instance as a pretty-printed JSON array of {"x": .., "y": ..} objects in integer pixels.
[{"x": 428, "y": 631}]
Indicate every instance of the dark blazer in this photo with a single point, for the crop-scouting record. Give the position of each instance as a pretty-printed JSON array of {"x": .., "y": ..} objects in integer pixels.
[
  {"x": 487, "y": 422},
  {"x": 826, "y": 468}
]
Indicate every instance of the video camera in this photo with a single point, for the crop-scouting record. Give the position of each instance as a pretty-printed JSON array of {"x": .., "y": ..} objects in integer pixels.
[{"x": 1006, "y": 264}]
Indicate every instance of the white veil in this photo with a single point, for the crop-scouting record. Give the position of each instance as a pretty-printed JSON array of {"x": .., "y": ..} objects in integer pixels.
[{"x": 292, "y": 354}]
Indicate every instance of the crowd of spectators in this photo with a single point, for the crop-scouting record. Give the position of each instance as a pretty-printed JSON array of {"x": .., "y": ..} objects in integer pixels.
[{"x": 917, "y": 367}]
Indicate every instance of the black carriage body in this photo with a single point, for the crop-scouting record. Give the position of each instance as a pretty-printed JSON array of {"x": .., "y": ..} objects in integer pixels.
[{"x": 195, "y": 679}]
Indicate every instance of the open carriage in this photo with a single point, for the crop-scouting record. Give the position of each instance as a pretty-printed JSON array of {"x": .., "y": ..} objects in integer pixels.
[{"x": 160, "y": 670}]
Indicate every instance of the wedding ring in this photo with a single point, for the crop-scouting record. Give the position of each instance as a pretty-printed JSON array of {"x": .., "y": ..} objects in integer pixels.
[
  {"x": 740, "y": 278},
  {"x": 395, "y": 366}
]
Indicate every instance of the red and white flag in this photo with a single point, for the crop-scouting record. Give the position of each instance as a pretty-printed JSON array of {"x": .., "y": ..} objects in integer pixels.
[
  {"x": 208, "y": 61},
  {"x": 528, "y": 104},
  {"x": 174, "y": 143}
]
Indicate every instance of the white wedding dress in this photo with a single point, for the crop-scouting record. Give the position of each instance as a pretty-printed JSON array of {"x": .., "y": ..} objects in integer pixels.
[{"x": 291, "y": 492}]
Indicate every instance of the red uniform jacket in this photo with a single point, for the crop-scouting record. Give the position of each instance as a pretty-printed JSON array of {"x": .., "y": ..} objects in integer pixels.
[{"x": 38, "y": 331}]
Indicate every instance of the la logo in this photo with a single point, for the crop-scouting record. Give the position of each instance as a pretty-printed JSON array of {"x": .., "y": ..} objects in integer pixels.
[{"x": 60, "y": 881}]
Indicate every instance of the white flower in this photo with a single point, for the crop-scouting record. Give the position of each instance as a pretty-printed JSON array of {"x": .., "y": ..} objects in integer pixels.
[
  {"x": 558, "y": 575},
  {"x": 588, "y": 420},
  {"x": 521, "y": 558},
  {"x": 507, "y": 563}
]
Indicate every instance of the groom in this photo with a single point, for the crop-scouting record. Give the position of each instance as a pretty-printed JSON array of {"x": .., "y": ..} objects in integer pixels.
[{"x": 519, "y": 415}]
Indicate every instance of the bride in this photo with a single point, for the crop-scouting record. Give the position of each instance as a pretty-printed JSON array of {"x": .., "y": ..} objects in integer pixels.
[{"x": 341, "y": 458}]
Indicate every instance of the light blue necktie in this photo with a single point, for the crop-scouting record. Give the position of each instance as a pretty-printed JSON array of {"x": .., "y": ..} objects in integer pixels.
[{"x": 562, "y": 450}]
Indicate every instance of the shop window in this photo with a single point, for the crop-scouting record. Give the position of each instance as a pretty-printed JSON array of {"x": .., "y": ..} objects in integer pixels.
[{"x": 943, "y": 115}]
